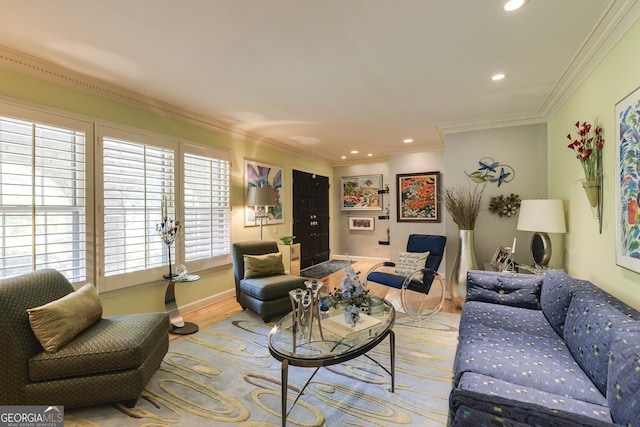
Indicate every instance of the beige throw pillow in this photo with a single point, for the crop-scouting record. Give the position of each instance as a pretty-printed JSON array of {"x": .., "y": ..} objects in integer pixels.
[
  {"x": 408, "y": 262},
  {"x": 58, "y": 322},
  {"x": 263, "y": 265}
]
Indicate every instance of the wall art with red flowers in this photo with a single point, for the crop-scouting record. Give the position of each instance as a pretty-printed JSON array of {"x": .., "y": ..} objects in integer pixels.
[{"x": 418, "y": 197}]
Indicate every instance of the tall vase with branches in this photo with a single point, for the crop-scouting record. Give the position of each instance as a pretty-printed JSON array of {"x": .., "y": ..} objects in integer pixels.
[{"x": 463, "y": 204}]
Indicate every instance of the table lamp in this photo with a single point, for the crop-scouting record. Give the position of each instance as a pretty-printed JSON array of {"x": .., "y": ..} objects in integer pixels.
[
  {"x": 261, "y": 198},
  {"x": 541, "y": 216}
]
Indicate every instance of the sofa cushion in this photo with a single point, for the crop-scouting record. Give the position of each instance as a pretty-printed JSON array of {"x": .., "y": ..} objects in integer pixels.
[
  {"x": 541, "y": 363},
  {"x": 263, "y": 265},
  {"x": 271, "y": 287},
  {"x": 529, "y": 400},
  {"x": 518, "y": 290},
  {"x": 508, "y": 318},
  {"x": 113, "y": 344},
  {"x": 589, "y": 330},
  {"x": 623, "y": 383},
  {"x": 58, "y": 322},
  {"x": 557, "y": 290}
]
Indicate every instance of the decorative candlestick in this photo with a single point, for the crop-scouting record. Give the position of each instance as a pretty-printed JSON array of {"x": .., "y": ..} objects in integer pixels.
[{"x": 168, "y": 231}]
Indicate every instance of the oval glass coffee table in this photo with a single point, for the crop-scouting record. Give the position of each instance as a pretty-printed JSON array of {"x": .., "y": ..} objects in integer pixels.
[{"x": 336, "y": 343}]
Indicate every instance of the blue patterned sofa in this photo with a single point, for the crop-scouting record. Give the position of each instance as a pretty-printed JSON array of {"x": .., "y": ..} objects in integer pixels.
[{"x": 545, "y": 351}]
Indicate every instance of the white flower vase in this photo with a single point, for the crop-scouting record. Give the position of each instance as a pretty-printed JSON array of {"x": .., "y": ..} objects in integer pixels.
[{"x": 464, "y": 261}]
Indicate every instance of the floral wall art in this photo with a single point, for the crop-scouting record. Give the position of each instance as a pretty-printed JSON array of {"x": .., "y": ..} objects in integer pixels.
[
  {"x": 361, "y": 192},
  {"x": 627, "y": 179},
  {"x": 418, "y": 197},
  {"x": 258, "y": 174}
]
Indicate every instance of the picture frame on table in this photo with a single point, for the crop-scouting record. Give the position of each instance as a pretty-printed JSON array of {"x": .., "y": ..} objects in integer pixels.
[
  {"x": 418, "y": 197},
  {"x": 502, "y": 259},
  {"x": 627, "y": 181},
  {"x": 259, "y": 174},
  {"x": 361, "y": 192},
  {"x": 361, "y": 223}
]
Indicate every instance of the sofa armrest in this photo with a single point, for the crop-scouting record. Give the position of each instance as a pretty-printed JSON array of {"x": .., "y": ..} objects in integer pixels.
[{"x": 513, "y": 289}]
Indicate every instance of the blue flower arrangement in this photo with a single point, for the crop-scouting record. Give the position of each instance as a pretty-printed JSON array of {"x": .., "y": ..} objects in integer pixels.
[{"x": 353, "y": 295}]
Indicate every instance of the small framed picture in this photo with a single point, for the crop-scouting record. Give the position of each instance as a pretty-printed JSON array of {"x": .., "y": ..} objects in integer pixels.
[
  {"x": 361, "y": 223},
  {"x": 502, "y": 259}
]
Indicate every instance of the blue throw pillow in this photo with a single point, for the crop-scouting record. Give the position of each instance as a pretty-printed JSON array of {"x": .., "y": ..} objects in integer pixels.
[
  {"x": 623, "y": 384},
  {"x": 589, "y": 332},
  {"x": 516, "y": 290}
]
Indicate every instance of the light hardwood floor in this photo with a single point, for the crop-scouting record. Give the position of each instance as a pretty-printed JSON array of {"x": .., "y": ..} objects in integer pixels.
[{"x": 216, "y": 312}]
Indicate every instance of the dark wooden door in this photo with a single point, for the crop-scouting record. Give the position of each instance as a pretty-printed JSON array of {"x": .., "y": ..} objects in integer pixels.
[{"x": 311, "y": 217}]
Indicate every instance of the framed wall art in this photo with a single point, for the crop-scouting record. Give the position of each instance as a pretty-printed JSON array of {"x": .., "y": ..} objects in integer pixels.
[
  {"x": 418, "y": 197},
  {"x": 361, "y": 223},
  {"x": 627, "y": 180},
  {"x": 258, "y": 174},
  {"x": 361, "y": 192}
]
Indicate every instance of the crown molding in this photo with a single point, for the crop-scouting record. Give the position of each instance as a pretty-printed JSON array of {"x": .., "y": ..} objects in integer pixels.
[
  {"x": 483, "y": 124},
  {"x": 617, "y": 19},
  {"x": 38, "y": 68}
]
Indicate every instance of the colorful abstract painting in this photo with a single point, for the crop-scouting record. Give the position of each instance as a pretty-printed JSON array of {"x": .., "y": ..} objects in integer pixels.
[
  {"x": 418, "y": 197},
  {"x": 258, "y": 174},
  {"x": 627, "y": 180},
  {"x": 361, "y": 192}
]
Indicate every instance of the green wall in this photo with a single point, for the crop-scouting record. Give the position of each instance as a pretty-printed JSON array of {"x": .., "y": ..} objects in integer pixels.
[
  {"x": 15, "y": 86},
  {"x": 589, "y": 254}
]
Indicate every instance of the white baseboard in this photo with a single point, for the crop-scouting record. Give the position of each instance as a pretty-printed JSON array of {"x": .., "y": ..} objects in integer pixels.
[{"x": 193, "y": 306}]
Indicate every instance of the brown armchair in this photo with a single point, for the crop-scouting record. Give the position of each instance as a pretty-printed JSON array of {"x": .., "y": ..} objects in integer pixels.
[{"x": 111, "y": 361}]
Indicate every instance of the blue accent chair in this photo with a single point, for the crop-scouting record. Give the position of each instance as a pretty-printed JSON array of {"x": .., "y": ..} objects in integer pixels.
[{"x": 417, "y": 286}]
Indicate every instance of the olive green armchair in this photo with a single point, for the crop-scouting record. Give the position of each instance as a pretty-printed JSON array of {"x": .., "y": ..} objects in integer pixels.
[{"x": 110, "y": 361}]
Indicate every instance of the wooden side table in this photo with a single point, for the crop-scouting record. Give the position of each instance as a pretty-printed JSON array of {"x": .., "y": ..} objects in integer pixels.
[{"x": 178, "y": 326}]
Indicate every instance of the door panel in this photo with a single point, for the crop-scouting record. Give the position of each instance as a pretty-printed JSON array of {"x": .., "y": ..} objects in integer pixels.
[{"x": 311, "y": 217}]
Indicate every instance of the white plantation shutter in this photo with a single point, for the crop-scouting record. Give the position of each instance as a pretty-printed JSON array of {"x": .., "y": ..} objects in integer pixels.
[
  {"x": 43, "y": 197},
  {"x": 207, "y": 210},
  {"x": 136, "y": 177}
]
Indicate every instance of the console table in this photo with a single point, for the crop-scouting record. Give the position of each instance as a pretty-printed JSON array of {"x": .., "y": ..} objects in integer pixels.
[{"x": 178, "y": 326}]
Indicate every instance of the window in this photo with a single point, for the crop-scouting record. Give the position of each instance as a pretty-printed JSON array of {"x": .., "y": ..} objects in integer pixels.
[
  {"x": 207, "y": 209},
  {"x": 53, "y": 216},
  {"x": 139, "y": 174},
  {"x": 44, "y": 215}
]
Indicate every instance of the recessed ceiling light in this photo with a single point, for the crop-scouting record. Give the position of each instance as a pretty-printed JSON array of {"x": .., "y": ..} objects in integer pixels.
[
  {"x": 370, "y": 155},
  {"x": 407, "y": 141},
  {"x": 511, "y": 5},
  {"x": 498, "y": 76},
  {"x": 343, "y": 157},
  {"x": 354, "y": 151}
]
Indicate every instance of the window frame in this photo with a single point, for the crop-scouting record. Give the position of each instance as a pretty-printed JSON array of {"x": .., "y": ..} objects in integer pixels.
[
  {"x": 44, "y": 117},
  {"x": 127, "y": 280}
]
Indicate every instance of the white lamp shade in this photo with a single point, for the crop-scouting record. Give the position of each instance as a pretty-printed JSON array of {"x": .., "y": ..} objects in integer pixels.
[
  {"x": 261, "y": 196},
  {"x": 542, "y": 215}
]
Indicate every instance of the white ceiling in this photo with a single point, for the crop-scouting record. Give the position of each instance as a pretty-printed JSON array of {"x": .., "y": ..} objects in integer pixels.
[{"x": 328, "y": 76}]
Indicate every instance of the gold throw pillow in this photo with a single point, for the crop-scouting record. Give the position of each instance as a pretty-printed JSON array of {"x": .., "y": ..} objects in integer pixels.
[
  {"x": 58, "y": 322},
  {"x": 263, "y": 265}
]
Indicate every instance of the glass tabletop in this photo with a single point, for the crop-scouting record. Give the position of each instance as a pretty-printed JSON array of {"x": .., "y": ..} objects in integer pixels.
[{"x": 337, "y": 342}]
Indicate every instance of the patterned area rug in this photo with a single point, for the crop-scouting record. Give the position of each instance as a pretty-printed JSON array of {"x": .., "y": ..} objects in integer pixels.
[
  {"x": 224, "y": 375},
  {"x": 324, "y": 269}
]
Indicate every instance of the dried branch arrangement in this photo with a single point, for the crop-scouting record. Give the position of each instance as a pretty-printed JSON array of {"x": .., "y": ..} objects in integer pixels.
[{"x": 463, "y": 204}]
